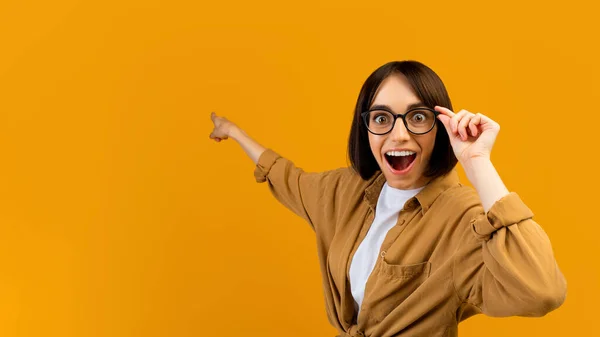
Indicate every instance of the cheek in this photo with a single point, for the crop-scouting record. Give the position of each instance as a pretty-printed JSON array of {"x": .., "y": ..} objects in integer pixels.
[
  {"x": 375, "y": 143},
  {"x": 427, "y": 144}
]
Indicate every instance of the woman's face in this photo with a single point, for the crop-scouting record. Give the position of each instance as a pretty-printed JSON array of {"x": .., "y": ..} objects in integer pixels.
[{"x": 402, "y": 172}]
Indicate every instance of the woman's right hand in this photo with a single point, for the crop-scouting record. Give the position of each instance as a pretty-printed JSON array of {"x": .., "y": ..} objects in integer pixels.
[{"x": 222, "y": 129}]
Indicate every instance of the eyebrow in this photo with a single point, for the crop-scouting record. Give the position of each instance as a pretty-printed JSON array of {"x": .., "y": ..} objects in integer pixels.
[{"x": 386, "y": 107}]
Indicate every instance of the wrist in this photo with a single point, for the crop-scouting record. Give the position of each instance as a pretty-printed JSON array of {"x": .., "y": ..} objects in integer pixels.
[
  {"x": 485, "y": 179},
  {"x": 476, "y": 164},
  {"x": 235, "y": 133}
]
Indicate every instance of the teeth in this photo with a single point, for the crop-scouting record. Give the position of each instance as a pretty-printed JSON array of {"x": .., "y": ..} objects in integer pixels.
[{"x": 399, "y": 153}]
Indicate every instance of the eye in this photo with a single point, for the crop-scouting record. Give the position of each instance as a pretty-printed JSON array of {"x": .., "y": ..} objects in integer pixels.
[
  {"x": 380, "y": 119},
  {"x": 419, "y": 118}
]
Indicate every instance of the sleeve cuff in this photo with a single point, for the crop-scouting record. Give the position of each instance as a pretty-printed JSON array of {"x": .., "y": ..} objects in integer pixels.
[
  {"x": 507, "y": 211},
  {"x": 264, "y": 164}
]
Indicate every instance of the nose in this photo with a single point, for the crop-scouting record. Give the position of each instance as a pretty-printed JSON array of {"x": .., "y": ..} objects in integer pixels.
[{"x": 399, "y": 133}]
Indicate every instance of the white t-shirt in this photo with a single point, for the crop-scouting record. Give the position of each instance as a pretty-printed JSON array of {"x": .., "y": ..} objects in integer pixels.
[{"x": 390, "y": 202}]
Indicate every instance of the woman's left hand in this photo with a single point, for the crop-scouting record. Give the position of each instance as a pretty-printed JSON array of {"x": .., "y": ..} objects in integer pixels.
[{"x": 472, "y": 136}]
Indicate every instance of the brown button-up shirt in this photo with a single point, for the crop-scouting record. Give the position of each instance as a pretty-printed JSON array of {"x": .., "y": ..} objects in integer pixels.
[{"x": 444, "y": 260}]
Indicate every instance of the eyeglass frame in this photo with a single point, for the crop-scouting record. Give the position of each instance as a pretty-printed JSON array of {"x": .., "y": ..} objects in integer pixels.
[{"x": 396, "y": 116}]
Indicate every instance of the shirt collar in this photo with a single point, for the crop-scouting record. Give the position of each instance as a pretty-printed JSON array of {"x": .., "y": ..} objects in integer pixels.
[{"x": 425, "y": 197}]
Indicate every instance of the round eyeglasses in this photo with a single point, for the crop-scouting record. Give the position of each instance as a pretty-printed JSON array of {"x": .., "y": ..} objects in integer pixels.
[{"x": 418, "y": 121}]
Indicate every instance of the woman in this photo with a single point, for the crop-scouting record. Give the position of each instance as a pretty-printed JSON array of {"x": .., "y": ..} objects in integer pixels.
[{"x": 404, "y": 248}]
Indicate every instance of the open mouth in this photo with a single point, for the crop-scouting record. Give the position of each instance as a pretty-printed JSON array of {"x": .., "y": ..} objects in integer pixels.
[{"x": 400, "y": 163}]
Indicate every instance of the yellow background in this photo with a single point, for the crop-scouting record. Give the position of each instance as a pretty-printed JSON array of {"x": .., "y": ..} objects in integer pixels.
[{"x": 120, "y": 217}]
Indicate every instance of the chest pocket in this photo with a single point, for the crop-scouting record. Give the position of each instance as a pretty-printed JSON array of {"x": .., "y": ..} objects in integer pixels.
[{"x": 391, "y": 286}]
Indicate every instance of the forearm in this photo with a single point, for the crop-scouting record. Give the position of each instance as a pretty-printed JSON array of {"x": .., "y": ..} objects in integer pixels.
[
  {"x": 252, "y": 148},
  {"x": 487, "y": 182}
]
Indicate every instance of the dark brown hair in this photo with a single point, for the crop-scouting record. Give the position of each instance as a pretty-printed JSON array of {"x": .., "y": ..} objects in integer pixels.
[{"x": 431, "y": 91}]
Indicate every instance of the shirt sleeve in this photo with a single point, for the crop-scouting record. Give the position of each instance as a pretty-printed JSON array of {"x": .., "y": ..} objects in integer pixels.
[
  {"x": 309, "y": 195},
  {"x": 506, "y": 265}
]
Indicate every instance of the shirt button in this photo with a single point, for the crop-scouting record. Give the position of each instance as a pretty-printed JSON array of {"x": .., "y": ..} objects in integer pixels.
[{"x": 402, "y": 222}]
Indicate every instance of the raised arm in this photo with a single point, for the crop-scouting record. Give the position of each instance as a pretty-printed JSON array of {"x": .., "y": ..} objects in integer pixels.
[
  {"x": 310, "y": 195},
  {"x": 505, "y": 265}
]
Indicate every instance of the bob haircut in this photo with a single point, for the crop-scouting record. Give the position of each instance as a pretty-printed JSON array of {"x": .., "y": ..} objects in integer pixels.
[{"x": 431, "y": 91}]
